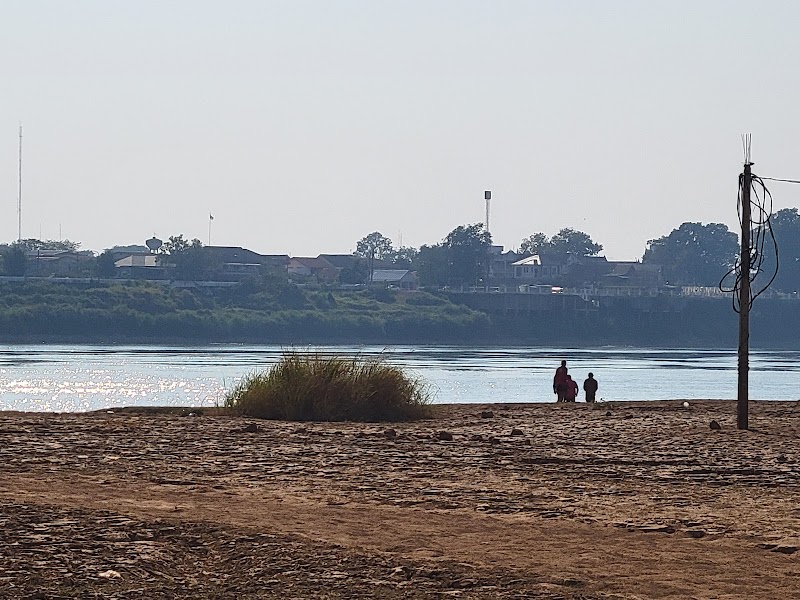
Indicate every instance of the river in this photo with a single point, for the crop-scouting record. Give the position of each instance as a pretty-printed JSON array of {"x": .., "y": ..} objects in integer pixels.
[{"x": 63, "y": 378}]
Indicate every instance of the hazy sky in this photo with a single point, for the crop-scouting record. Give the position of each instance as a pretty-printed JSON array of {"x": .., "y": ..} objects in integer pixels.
[{"x": 305, "y": 125}]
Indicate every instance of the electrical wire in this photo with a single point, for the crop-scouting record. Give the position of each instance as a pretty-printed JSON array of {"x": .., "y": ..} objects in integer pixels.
[
  {"x": 783, "y": 180},
  {"x": 761, "y": 237}
]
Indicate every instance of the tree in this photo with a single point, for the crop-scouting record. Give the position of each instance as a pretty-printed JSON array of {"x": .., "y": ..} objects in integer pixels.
[
  {"x": 33, "y": 244},
  {"x": 14, "y": 260},
  {"x": 574, "y": 242},
  {"x": 567, "y": 241},
  {"x": 374, "y": 246},
  {"x": 468, "y": 252},
  {"x": 192, "y": 261},
  {"x": 534, "y": 244},
  {"x": 694, "y": 254},
  {"x": 358, "y": 273},
  {"x": 177, "y": 244},
  {"x": 786, "y": 228},
  {"x": 403, "y": 257},
  {"x": 431, "y": 264},
  {"x": 104, "y": 264}
]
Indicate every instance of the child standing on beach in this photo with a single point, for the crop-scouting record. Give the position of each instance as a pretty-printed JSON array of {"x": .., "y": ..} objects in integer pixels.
[
  {"x": 570, "y": 390},
  {"x": 590, "y": 387}
]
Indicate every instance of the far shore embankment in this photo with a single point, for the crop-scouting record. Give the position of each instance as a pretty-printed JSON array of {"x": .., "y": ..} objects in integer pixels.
[{"x": 279, "y": 312}]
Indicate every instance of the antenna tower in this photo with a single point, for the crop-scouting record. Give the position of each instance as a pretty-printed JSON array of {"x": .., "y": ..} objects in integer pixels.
[{"x": 19, "y": 196}]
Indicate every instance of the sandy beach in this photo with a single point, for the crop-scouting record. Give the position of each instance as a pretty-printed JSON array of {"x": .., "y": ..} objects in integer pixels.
[{"x": 623, "y": 500}]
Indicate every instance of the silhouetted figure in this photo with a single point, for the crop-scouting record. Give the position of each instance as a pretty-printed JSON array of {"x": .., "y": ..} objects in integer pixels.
[
  {"x": 590, "y": 387},
  {"x": 560, "y": 381},
  {"x": 570, "y": 390}
]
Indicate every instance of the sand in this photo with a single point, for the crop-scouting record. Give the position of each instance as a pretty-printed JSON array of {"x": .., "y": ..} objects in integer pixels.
[{"x": 624, "y": 500}]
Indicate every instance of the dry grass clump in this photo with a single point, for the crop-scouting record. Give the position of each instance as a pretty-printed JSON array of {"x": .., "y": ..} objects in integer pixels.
[{"x": 311, "y": 387}]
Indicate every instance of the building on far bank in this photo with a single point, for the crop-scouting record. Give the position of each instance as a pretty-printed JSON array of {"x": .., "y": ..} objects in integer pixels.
[
  {"x": 142, "y": 266},
  {"x": 237, "y": 262},
  {"x": 587, "y": 270},
  {"x": 399, "y": 278},
  {"x": 57, "y": 263},
  {"x": 633, "y": 274},
  {"x": 317, "y": 269},
  {"x": 501, "y": 263},
  {"x": 352, "y": 261},
  {"x": 118, "y": 252},
  {"x": 539, "y": 268}
]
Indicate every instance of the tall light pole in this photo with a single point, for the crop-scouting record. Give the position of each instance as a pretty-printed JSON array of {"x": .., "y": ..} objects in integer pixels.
[{"x": 487, "y": 195}]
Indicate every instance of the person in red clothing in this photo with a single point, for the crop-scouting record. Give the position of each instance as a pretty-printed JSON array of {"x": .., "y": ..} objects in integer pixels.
[
  {"x": 560, "y": 381},
  {"x": 570, "y": 390}
]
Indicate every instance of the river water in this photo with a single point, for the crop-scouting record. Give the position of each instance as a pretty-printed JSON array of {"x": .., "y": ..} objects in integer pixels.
[{"x": 65, "y": 378}]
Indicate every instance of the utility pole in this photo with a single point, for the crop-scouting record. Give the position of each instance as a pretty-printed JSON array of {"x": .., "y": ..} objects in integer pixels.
[
  {"x": 371, "y": 263},
  {"x": 487, "y": 195},
  {"x": 744, "y": 300}
]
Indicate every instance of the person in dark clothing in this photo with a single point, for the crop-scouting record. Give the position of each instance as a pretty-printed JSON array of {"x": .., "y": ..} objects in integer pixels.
[
  {"x": 560, "y": 381},
  {"x": 570, "y": 390},
  {"x": 590, "y": 387}
]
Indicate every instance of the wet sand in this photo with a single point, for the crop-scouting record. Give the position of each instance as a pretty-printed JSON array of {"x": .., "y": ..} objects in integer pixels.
[{"x": 623, "y": 500}]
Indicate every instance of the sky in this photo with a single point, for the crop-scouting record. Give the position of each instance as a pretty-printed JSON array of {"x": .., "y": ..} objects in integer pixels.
[{"x": 304, "y": 125}]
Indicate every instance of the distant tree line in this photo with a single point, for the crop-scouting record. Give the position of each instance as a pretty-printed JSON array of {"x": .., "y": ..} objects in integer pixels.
[
  {"x": 691, "y": 254},
  {"x": 568, "y": 241},
  {"x": 14, "y": 256}
]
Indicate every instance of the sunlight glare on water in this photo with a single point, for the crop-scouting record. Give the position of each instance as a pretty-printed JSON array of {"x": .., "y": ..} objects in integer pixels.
[{"x": 62, "y": 378}]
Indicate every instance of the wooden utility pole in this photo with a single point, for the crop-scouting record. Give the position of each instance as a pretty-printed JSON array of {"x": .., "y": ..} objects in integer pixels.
[{"x": 744, "y": 302}]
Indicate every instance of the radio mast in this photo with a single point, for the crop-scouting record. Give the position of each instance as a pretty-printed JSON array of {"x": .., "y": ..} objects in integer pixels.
[{"x": 19, "y": 196}]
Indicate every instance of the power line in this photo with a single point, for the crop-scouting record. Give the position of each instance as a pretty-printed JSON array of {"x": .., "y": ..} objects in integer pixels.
[{"x": 783, "y": 180}]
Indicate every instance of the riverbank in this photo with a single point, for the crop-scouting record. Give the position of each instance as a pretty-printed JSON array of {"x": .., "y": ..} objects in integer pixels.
[
  {"x": 275, "y": 311},
  {"x": 622, "y": 500}
]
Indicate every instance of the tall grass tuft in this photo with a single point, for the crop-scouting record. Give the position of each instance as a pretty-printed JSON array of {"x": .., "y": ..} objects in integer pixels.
[{"x": 311, "y": 387}]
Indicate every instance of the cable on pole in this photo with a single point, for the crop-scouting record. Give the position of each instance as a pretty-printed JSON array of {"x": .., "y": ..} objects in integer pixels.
[{"x": 762, "y": 239}]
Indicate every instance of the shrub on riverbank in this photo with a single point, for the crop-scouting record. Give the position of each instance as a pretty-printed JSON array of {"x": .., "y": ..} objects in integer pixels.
[
  {"x": 311, "y": 387},
  {"x": 113, "y": 312}
]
